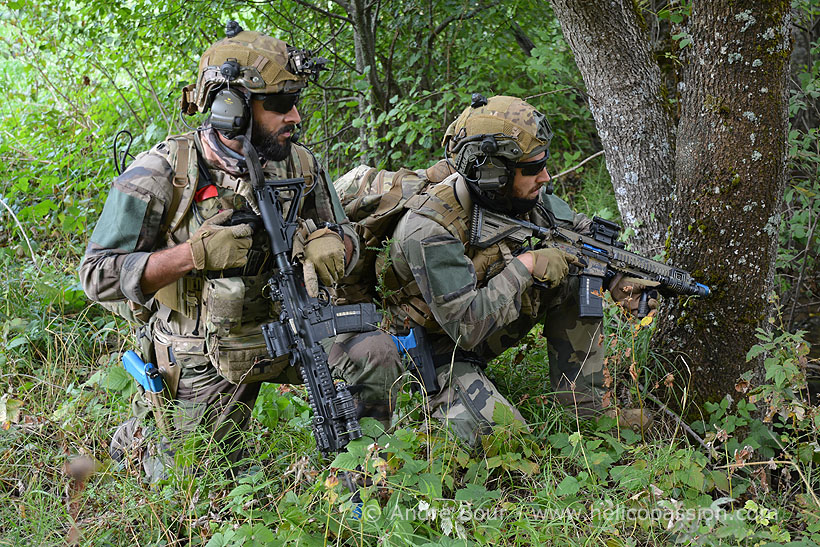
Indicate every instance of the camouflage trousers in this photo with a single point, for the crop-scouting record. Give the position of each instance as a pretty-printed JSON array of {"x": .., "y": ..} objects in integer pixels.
[
  {"x": 211, "y": 412},
  {"x": 468, "y": 398}
]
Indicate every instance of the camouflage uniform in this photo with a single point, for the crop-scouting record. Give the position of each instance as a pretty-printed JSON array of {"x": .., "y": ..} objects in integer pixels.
[
  {"x": 476, "y": 303},
  {"x": 184, "y": 334}
]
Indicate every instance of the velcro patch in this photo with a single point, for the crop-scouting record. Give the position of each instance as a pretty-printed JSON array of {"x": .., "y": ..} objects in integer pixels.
[
  {"x": 121, "y": 221},
  {"x": 447, "y": 267}
]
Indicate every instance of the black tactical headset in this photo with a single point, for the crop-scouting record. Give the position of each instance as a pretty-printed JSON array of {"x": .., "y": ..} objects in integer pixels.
[{"x": 230, "y": 111}]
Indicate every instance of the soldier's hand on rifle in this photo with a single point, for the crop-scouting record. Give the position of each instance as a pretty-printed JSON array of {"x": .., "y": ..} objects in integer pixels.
[
  {"x": 627, "y": 291},
  {"x": 218, "y": 247},
  {"x": 324, "y": 258},
  {"x": 549, "y": 265}
]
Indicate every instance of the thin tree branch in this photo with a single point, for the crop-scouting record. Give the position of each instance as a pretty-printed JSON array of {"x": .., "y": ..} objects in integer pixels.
[
  {"x": 333, "y": 136},
  {"x": 153, "y": 91},
  {"x": 679, "y": 420},
  {"x": 460, "y": 17},
  {"x": 528, "y": 97},
  {"x": 23, "y": 232},
  {"x": 571, "y": 169},
  {"x": 117, "y": 89},
  {"x": 293, "y": 23}
]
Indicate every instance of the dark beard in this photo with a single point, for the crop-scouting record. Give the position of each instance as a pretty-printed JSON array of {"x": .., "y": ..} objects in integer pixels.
[
  {"x": 520, "y": 206},
  {"x": 267, "y": 144}
]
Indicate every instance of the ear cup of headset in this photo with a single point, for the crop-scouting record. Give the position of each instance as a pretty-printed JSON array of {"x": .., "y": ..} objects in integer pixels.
[{"x": 230, "y": 112}]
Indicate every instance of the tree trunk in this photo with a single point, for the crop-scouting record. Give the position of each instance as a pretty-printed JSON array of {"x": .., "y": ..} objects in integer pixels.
[
  {"x": 364, "y": 46},
  {"x": 730, "y": 168},
  {"x": 628, "y": 103}
]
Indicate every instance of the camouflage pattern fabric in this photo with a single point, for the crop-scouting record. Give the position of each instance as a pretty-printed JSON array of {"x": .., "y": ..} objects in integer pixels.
[
  {"x": 369, "y": 363},
  {"x": 503, "y": 115},
  {"x": 196, "y": 342},
  {"x": 483, "y": 301}
]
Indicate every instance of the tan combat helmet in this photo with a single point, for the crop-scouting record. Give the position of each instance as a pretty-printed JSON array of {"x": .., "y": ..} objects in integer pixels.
[
  {"x": 489, "y": 140},
  {"x": 525, "y": 130},
  {"x": 251, "y": 60}
]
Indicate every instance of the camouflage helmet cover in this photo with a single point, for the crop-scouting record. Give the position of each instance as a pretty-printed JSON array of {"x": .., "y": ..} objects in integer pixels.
[
  {"x": 263, "y": 67},
  {"x": 506, "y": 118}
]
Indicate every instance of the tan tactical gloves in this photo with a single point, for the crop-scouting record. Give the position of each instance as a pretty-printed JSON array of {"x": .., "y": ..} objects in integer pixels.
[
  {"x": 322, "y": 253},
  {"x": 626, "y": 291},
  {"x": 551, "y": 265},
  {"x": 325, "y": 249},
  {"x": 218, "y": 247}
]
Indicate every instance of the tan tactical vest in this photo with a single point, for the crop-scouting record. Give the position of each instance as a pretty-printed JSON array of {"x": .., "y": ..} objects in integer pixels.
[
  {"x": 229, "y": 307},
  {"x": 439, "y": 203}
]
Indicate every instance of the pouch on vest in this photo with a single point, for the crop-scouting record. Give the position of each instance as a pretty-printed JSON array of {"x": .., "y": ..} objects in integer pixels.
[
  {"x": 242, "y": 357},
  {"x": 175, "y": 352},
  {"x": 222, "y": 304}
]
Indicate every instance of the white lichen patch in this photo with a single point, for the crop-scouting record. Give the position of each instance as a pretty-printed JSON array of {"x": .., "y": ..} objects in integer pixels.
[
  {"x": 768, "y": 34},
  {"x": 764, "y": 89},
  {"x": 757, "y": 63},
  {"x": 749, "y": 115},
  {"x": 771, "y": 225},
  {"x": 756, "y": 155},
  {"x": 734, "y": 57},
  {"x": 752, "y": 137},
  {"x": 747, "y": 18}
]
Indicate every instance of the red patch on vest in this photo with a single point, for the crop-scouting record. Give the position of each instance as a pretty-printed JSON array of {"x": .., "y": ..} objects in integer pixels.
[{"x": 204, "y": 193}]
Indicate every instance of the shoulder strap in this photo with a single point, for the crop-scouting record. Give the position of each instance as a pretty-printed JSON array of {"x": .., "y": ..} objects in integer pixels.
[
  {"x": 439, "y": 203},
  {"x": 305, "y": 165},
  {"x": 184, "y": 182}
]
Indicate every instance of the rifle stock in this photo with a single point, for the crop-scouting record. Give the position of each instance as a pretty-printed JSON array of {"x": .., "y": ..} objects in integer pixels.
[{"x": 602, "y": 253}]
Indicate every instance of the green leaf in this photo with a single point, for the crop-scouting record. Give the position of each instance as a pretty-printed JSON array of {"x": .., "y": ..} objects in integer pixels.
[
  {"x": 503, "y": 415},
  {"x": 371, "y": 427},
  {"x": 568, "y": 487},
  {"x": 346, "y": 461},
  {"x": 117, "y": 379},
  {"x": 17, "y": 341},
  {"x": 476, "y": 493},
  {"x": 221, "y": 539},
  {"x": 43, "y": 208},
  {"x": 754, "y": 352},
  {"x": 430, "y": 484},
  {"x": 10, "y": 409}
]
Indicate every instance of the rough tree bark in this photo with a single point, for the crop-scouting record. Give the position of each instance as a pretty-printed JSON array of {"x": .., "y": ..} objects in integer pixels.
[
  {"x": 628, "y": 103},
  {"x": 731, "y": 158},
  {"x": 726, "y": 174},
  {"x": 364, "y": 21}
]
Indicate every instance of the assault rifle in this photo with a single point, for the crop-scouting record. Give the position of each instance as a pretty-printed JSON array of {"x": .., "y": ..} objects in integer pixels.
[
  {"x": 601, "y": 251},
  {"x": 305, "y": 320}
]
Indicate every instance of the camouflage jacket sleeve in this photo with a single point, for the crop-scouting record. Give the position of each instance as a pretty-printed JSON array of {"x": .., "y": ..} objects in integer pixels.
[
  {"x": 447, "y": 281},
  {"x": 128, "y": 230}
]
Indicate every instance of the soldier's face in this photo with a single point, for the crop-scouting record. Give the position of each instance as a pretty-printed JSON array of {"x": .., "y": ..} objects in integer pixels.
[
  {"x": 272, "y": 131},
  {"x": 527, "y": 187}
]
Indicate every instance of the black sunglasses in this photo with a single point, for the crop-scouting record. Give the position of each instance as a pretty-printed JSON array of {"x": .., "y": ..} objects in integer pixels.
[
  {"x": 530, "y": 168},
  {"x": 278, "y": 102}
]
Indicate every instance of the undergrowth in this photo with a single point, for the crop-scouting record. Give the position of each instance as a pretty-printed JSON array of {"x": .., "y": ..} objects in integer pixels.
[{"x": 746, "y": 476}]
